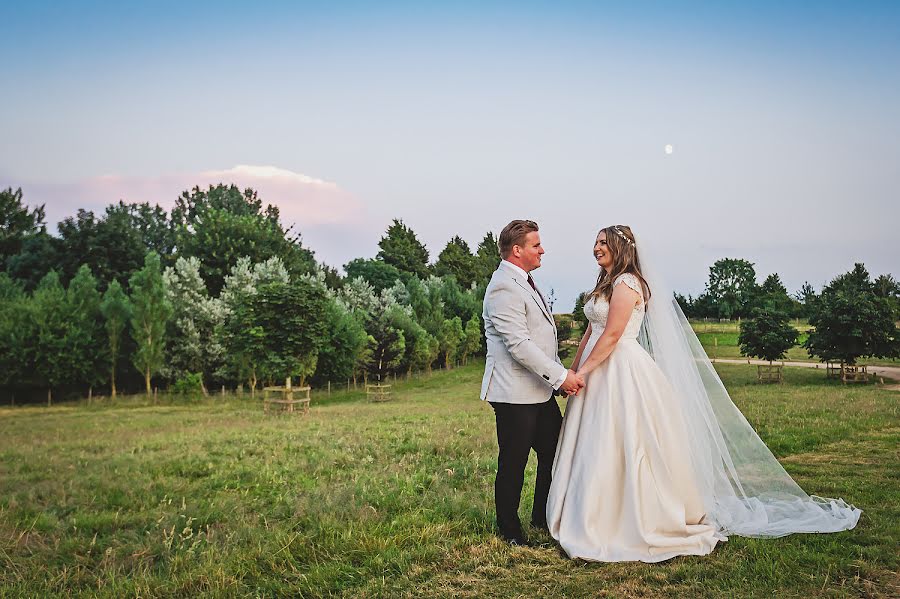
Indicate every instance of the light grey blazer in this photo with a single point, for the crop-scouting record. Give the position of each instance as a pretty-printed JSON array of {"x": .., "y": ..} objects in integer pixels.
[{"x": 522, "y": 361}]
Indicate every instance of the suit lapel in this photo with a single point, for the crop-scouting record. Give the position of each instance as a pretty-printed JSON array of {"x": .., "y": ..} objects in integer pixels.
[{"x": 535, "y": 296}]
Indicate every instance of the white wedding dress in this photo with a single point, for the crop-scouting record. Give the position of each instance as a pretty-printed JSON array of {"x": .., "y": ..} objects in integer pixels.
[
  {"x": 623, "y": 487},
  {"x": 654, "y": 459}
]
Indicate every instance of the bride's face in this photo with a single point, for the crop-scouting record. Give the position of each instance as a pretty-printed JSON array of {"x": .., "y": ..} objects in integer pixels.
[{"x": 602, "y": 253}]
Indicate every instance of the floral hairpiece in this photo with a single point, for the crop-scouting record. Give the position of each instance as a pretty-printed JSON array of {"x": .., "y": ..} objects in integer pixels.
[{"x": 622, "y": 235}]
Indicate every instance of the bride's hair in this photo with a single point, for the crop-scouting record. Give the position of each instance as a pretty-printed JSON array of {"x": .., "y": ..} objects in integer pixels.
[{"x": 620, "y": 241}]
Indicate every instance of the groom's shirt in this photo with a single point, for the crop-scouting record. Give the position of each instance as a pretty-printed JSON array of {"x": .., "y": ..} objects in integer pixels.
[{"x": 527, "y": 276}]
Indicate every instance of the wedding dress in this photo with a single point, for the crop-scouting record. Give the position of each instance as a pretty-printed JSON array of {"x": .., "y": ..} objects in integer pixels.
[
  {"x": 623, "y": 488},
  {"x": 655, "y": 461}
]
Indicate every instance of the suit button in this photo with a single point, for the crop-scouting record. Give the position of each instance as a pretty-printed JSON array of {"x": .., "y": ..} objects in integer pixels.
[{"x": 546, "y": 377}]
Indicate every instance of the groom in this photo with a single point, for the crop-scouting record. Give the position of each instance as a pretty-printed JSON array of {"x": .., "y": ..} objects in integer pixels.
[{"x": 520, "y": 376}]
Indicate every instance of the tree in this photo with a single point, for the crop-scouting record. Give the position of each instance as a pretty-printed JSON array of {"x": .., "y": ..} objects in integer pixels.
[
  {"x": 473, "y": 338},
  {"x": 116, "y": 310},
  {"x": 768, "y": 335},
  {"x": 380, "y": 275},
  {"x": 686, "y": 304},
  {"x": 17, "y": 334},
  {"x": 386, "y": 346},
  {"x": 425, "y": 301},
  {"x": 17, "y": 222},
  {"x": 578, "y": 314},
  {"x": 150, "y": 314},
  {"x": 194, "y": 346},
  {"x": 806, "y": 298},
  {"x": 279, "y": 330},
  {"x": 191, "y": 206},
  {"x": 772, "y": 295},
  {"x": 487, "y": 258},
  {"x": 456, "y": 259},
  {"x": 111, "y": 246},
  {"x": 39, "y": 254},
  {"x": 52, "y": 360},
  {"x": 851, "y": 321},
  {"x": 346, "y": 341},
  {"x": 85, "y": 338},
  {"x": 451, "y": 338},
  {"x": 731, "y": 286},
  {"x": 401, "y": 249},
  {"x": 219, "y": 239},
  {"x": 886, "y": 287},
  {"x": 223, "y": 224}
]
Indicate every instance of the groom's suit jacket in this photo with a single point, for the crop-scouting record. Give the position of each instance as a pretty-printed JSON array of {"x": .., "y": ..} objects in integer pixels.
[{"x": 522, "y": 362}]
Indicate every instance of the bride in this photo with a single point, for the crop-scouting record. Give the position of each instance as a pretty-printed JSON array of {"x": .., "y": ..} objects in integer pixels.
[{"x": 654, "y": 460}]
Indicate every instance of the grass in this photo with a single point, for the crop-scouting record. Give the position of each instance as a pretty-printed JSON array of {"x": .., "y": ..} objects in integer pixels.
[{"x": 211, "y": 497}]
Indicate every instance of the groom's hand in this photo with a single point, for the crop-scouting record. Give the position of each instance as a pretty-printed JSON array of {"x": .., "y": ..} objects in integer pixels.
[{"x": 572, "y": 384}]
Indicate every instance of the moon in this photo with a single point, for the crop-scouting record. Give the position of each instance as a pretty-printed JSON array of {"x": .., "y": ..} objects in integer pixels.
[{"x": 669, "y": 149}]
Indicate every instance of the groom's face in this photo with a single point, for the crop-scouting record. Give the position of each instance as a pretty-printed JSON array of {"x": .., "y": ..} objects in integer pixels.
[{"x": 531, "y": 251}]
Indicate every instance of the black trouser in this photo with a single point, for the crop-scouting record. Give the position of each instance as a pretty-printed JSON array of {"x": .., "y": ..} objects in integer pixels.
[{"x": 520, "y": 428}]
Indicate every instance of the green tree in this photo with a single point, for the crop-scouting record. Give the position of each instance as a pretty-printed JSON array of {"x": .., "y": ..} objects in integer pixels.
[
  {"x": 39, "y": 254},
  {"x": 114, "y": 244},
  {"x": 17, "y": 222},
  {"x": 17, "y": 335},
  {"x": 86, "y": 339},
  {"x": 452, "y": 337},
  {"x": 221, "y": 238},
  {"x": 191, "y": 206},
  {"x": 806, "y": 299},
  {"x": 772, "y": 295},
  {"x": 223, "y": 224},
  {"x": 347, "y": 339},
  {"x": 487, "y": 258},
  {"x": 851, "y": 321},
  {"x": 116, "y": 310},
  {"x": 401, "y": 249},
  {"x": 472, "y": 339},
  {"x": 380, "y": 275},
  {"x": 52, "y": 360},
  {"x": 150, "y": 314},
  {"x": 279, "y": 330},
  {"x": 731, "y": 286},
  {"x": 387, "y": 347},
  {"x": 885, "y": 286},
  {"x": 578, "y": 311},
  {"x": 456, "y": 259},
  {"x": 767, "y": 335}
]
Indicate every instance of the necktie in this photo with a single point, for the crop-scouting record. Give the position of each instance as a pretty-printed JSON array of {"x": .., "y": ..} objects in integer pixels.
[{"x": 531, "y": 282}]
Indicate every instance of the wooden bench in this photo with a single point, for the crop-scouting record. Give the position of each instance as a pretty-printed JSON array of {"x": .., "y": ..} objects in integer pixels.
[
  {"x": 854, "y": 374},
  {"x": 378, "y": 392},
  {"x": 769, "y": 373},
  {"x": 284, "y": 397}
]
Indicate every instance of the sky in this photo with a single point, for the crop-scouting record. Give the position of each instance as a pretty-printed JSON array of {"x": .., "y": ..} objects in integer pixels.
[{"x": 457, "y": 117}]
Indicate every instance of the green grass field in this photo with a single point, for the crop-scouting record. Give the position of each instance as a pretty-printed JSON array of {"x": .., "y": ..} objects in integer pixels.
[{"x": 211, "y": 497}]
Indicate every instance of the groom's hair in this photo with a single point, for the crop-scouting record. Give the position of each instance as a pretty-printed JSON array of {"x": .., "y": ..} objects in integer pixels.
[{"x": 514, "y": 234}]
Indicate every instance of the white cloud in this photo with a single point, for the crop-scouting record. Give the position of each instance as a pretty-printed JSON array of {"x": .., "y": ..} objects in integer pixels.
[{"x": 303, "y": 200}]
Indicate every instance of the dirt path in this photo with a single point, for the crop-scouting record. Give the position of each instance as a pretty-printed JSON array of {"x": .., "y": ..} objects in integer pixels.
[{"x": 888, "y": 372}]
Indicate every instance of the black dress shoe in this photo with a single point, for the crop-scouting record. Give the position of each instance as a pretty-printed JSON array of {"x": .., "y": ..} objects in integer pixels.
[{"x": 516, "y": 540}]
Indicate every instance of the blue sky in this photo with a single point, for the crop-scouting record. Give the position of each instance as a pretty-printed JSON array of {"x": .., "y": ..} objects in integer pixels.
[{"x": 457, "y": 118}]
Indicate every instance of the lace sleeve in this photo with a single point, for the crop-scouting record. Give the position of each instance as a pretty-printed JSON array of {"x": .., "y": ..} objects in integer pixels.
[{"x": 631, "y": 281}]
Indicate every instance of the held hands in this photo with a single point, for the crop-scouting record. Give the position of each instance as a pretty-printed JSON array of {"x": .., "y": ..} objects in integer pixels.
[{"x": 573, "y": 383}]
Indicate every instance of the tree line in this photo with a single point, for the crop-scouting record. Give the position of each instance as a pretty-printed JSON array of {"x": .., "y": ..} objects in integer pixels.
[{"x": 218, "y": 292}]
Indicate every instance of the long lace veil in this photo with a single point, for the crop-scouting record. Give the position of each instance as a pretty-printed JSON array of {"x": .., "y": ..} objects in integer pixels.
[{"x": 746, "y": 491}]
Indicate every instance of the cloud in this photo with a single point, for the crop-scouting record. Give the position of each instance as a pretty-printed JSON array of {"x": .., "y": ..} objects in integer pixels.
[{"x": 303, "y": 200}]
